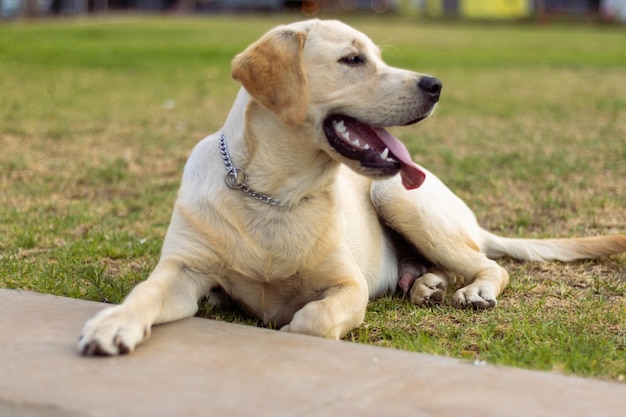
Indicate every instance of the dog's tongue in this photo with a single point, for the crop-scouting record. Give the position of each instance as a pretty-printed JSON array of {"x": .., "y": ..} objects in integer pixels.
[{"x": 412, "y": 175}]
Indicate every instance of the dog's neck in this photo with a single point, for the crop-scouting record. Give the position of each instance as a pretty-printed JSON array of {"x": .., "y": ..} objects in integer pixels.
[
  {"x": 277, "y": 164},
  {"x": 237, "y": 178}
]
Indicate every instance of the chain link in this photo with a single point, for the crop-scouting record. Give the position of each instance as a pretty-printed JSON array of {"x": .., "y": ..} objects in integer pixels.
[{"x": 236, "y": 178}]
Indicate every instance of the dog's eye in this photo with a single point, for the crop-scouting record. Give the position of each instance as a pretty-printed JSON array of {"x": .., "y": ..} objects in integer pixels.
[{"x": 352, "y": 60}]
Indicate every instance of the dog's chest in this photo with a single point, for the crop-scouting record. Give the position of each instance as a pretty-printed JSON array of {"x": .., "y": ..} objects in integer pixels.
[
  {"x": 270, "y": 268},
  {"x": 275, "y": 243},
  {"x": 260, "y": 266},
  {"x": 272, "y": 293}
]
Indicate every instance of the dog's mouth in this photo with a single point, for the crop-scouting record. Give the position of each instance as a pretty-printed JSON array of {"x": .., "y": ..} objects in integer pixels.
[{"x": 375, "y": 149}]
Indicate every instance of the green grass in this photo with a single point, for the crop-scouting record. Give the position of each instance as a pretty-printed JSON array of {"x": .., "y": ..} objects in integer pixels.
[{"x": 97, "y": 118}]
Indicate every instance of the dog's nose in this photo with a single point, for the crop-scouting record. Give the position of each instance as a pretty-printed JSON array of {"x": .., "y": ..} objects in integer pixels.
[{"x": 432, "y": 86}]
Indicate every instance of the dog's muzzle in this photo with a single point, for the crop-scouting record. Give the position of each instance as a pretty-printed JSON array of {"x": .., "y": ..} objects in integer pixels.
[
  {"x": 379, "y": 152},
  {"x": 430, "y": 87}
]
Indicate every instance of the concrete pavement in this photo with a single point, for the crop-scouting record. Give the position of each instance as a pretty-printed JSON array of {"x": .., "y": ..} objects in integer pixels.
[{"x": 199, "y": 367}]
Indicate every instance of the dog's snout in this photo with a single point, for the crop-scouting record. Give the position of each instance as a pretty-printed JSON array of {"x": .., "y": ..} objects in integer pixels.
[{"x": 432, "y": 86}]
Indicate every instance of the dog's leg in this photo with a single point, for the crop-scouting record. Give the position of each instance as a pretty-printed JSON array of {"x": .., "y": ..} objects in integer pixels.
[
  {"x": 441, "y": 227},
  {"x": 170, "y": 293},
  {"x": 486, "y": 279},
  {"x": 341, "y": 310},
  {"x": 341, "y": 307}
]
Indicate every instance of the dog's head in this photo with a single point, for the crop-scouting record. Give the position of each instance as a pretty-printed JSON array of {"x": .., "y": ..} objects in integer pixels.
[{"x": 331, "y": 78}]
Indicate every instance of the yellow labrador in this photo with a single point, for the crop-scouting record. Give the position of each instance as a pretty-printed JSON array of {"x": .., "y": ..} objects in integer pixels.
[{"x": 295, "y": 209}]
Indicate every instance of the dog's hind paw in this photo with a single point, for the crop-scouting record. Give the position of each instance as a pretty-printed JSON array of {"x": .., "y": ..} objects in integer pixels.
[
  {"x": 428, "y": 289},
  {"x": 112, "y": 332},
  {"x": 475, "y": 296}
]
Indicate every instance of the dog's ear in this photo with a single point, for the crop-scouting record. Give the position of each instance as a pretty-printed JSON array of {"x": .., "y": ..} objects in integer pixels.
[{"x": 271, "y": 70}]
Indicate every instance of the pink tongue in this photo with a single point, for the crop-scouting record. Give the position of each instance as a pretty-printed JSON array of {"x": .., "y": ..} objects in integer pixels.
[{"x": 412, "y": 175}]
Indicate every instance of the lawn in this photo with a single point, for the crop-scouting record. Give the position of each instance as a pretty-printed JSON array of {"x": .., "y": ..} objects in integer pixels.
[{"x": 98, "y": 116}]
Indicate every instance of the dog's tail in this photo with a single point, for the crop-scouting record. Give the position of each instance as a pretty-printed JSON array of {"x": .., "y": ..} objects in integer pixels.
[{"x": 565, "y": 250}]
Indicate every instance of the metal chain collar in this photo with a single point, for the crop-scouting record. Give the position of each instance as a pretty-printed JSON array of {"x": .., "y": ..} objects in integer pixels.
[{"x": 236, "y": 177}]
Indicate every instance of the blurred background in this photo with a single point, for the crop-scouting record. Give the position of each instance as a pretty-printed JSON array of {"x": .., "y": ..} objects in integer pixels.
[{"x": 544, "y": 10}]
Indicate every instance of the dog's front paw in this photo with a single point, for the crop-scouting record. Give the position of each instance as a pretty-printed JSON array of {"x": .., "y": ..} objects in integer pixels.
[
  {"x": 428, "y": 289},
  {"x": 305, "y": 323},
  {"x": 114, "y": 331},
  {"x": 480, "y": 297},
  {"x": 331, "y": 317}
]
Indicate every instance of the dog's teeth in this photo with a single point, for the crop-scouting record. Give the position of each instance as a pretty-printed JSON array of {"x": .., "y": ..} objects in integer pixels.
[
  {"x": 339, "y": 126},
  {"x": 346, "y": 136},
  {"x": 356, "y": 143},
  {"x": 367, "y": 147},
  {"x": 384, "y": 154}
]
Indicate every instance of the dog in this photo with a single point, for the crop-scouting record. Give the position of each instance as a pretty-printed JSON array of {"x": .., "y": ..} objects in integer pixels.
[{"x": 303, "y": 207}]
